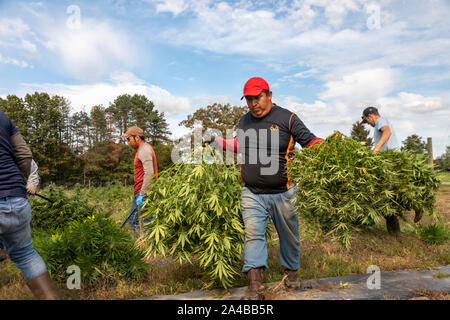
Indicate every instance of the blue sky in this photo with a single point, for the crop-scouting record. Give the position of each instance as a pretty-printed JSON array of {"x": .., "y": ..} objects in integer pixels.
[{"x": 323, "y": 59}]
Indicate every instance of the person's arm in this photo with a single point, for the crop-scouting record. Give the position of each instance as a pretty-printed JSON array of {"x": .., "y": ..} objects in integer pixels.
[
  {"x": 314, "y": 141},
  {"x": 386, "y": 134},
  {"x": 146, "y": 157},
  {"x": 301, "y": 133},
  {"x": 23, "y": 154},
  {"x": 227, "y": 144}
]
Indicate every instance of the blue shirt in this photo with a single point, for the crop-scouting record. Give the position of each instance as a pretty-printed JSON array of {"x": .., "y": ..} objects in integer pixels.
[
  {"x": 12, "y": 182},
  {"x": 392, "y": 143}
]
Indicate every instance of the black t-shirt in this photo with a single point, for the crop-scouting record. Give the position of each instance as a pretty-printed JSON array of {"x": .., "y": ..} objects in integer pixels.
[
  {"x": 12, "y": 183},
  {"x": 265, "y": 144}
]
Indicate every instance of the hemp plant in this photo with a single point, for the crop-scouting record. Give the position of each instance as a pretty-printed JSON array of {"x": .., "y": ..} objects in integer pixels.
[
  {"x": 195, "y": 210},
  {"x": 345, "y": 187}
]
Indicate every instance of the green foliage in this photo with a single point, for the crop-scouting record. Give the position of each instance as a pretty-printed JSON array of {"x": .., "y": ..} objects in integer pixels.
[
  {"x": 65, "y": 209},
  {"x": 163, "y": 155},
  {"x": 434, "y": 234},
  {"x": 97, "y": 246},
  {"x": 79, "y": 147},
  {"x": 414, "y": 183},
  {"x": 443, "y": 161},
  {"x": 106, "y": 162},
  {"x": 112, "y": 198},
  {"x": 216, "y": 116},
  {"x": 441, "y": 275},
  {"x": 108, "y": 195},
  {"x": 98, "y": 121},
  {"x": 359, "y": 133},
  {"x": 414, "y": 144},
  {"x": 344, "y": 186},
  {"x": 196, "y": 214},
  {"x": 136, "y": 110}
]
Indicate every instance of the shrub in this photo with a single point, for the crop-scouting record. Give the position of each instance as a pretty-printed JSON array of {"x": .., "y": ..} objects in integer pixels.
[
  {"x": 97, "y": 245},
  {"x": 433, "y": 234},
  {"x": 65, "y": 209}
]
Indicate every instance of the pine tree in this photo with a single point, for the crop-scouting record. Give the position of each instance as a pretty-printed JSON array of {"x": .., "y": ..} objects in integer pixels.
[
  {"x": 138, "y": 110},
  {"x": 414, "y": 144},
  {"x": 359, "y": 133}
]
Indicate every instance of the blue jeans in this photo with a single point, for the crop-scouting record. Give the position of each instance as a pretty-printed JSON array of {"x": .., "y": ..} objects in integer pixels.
[
  {"x": 136, "y": 223},
  {"x": 15, "y": 236},
  {"x": 256, "y": 210}
]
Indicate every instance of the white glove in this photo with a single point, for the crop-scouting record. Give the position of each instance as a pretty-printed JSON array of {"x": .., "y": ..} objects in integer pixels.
[{"x": 31, "y": 189}]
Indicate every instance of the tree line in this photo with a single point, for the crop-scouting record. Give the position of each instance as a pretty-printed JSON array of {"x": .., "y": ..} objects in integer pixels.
[
  {"x": 84, "y": 147},
  {"x": 80, "y": 147}
]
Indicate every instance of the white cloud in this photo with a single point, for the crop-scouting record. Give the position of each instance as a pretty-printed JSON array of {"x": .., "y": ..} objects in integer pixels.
[
  {"x": 360, "y": 86},
  {"x": 414, "y": 103},
  {"x": 6, "y": 60},
  {"x": 13, "y": 27},
  {"x": 176, "y": 130},
  {"x": 345, "y": 96},
  {"x": 405, "y": 125},
  {"x": 90, "y": 52},
  {"x": 204, "y": 100},
  {"x": 31, "y": 47},
  {"x": 321, "y": 35},
  {"x": 87, "y": 95},
  {"x": 173, "y": 6},
  {"x": 16, "y": 34},
  {"x": 336, "y": 11}
]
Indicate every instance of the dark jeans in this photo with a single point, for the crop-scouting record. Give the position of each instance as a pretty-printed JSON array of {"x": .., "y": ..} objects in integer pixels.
[{"x": 136, "y": 222}]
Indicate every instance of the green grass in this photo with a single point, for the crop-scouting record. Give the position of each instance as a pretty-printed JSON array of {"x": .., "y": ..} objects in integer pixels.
[
  {"x": 433, "y": 234},
  {"x": 440, "y": 275},
  {"x": 444, "y": 176}
]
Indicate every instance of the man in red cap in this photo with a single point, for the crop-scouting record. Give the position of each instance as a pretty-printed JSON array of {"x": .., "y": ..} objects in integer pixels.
[{"x": 265, "y": 139}]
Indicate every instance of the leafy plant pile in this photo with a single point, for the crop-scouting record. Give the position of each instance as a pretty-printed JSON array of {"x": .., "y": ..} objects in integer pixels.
[
  {"x": 97, "y": 246},
  {"x": 196, "y": 214},
  {"x": 414, "y": 184},
  {"x": 65, "y": 209},
  {"x": 344, "y": 186}
]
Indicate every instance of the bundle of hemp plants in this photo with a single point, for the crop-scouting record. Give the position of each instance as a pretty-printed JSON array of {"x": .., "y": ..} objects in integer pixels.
[
  {"x": 195, "y": 210},
  {"x": 344, "y": 186}
]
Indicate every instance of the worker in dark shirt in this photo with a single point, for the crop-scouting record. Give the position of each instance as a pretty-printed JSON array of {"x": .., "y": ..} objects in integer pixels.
[
  {"x": 15, "y": 211},
  {"x": 265, "y": 140}
]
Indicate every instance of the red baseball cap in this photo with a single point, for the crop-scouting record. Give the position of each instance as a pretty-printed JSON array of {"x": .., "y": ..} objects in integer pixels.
[{"x": 254, "y": 86}]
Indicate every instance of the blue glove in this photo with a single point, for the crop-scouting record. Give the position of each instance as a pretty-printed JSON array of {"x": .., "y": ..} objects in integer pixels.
[{"x": 140, "y": 200}]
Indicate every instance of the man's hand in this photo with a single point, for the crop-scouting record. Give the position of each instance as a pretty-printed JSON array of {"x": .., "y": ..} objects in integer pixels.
[
  {"x": 31, "y": 189},
  {"x": 140, "y": 200},
  {"x": 208, "y": 141}
]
